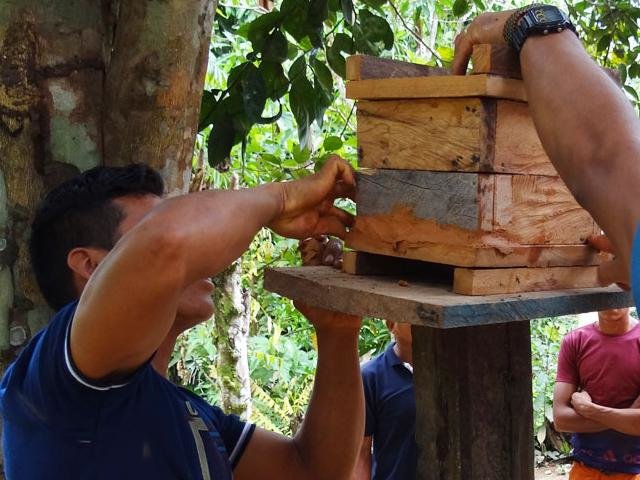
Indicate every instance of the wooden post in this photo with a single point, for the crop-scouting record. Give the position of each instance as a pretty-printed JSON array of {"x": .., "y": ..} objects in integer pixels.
[{"x": 474, "y": 417}]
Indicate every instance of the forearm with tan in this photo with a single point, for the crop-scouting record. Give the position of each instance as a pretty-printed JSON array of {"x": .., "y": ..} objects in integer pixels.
[
  {"x": 589, "y": 130},
  {"x": 566, "y": 419},
  {"x": 329, "y": 440},
  {"x": 363, "y": 465},
  {"x": 623, "y": 420}
]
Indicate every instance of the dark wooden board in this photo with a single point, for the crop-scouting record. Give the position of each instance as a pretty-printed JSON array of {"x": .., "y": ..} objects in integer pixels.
[
  {"x": 473, "y": 386},
  {"x": 366, "y": 67},
  {"x": 403, "y": 299}
]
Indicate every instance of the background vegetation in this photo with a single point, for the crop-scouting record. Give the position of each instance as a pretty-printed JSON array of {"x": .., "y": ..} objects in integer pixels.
[{"x": 274, "y": 109}]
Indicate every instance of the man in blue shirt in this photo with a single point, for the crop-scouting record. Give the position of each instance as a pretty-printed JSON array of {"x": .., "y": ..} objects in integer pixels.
[
  {"x": 586, "y": 124},
  {"x": 128, "y": 272},
  {"x": 389, "y": 450}
]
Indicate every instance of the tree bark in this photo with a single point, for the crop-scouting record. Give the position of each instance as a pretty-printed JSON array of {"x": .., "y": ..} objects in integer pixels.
[{"x": 86, "y": 83}]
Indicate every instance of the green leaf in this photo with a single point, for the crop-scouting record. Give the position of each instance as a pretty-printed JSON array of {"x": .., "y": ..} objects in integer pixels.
[
  {"x": 323, "y": 100},
  {"x": 275, "y": 47},
  {"x": 208, "y": 107},
  {"x": 341, "y": 43},
  {"x": 220, "y": 142},
  {"x": 332, "y": 143},
  {"x": 276, "y": 82},
  {"x": 347, "y": 11},
  {"x": 604, "y": 42},
  {"x": 372, "y": 34},
  {"x": 303, "y": 106},
  {"x": 296, "y": 21},
  {"x": 634, "y": 70},
  {"x": 298, "y": 69},
  {"x": 460, "y": 7},
  {"x": 323, "y": 74},
  {"x": 318, "y": 12},
  {"x": 632, "y": 91},
  {"x": 259, "y": 30},
  {"x": 254, "y": 92},
  {"x": 374, "y": 3}
]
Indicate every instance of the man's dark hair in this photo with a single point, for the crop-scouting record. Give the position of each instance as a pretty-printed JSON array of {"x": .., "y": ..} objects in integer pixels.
[{"x": 81, "y": 213}]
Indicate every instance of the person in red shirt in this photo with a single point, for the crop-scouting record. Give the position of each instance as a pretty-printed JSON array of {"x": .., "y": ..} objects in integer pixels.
[{"x": 596, "y": 396}]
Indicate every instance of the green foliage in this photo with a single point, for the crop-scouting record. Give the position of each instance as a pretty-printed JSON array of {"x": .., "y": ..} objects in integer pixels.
[
  {"x": 546, "y": 336},
  {"x": 274, "y": 110}
]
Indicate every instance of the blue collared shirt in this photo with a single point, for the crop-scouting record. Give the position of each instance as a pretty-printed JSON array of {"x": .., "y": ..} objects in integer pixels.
[{"x": 390, "y": 416}]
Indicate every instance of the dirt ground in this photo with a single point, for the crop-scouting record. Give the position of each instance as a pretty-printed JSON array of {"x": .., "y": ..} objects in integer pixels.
[{"x": 552, "y": 472}]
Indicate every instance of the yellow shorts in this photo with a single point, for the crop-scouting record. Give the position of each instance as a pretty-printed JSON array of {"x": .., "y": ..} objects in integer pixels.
[{"x": 580, "y": 471}]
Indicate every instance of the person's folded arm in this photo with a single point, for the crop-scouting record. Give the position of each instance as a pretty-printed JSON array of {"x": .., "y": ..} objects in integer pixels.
[
  {"x": 623, "y": 420},
  {"x": 565, "y": 417}
]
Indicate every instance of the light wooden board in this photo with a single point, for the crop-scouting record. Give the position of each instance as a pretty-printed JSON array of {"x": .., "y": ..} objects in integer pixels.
[
  {"x": 496, "y": 60},
  {"x": 437, "y": 87},
  {"x": 490, "y": 281},
  {"x": 364, "y": 67},
  {"x": 426, "y": 304},
  {"x": 450, "y": 134},
  {"x": 402, "y": 211}
]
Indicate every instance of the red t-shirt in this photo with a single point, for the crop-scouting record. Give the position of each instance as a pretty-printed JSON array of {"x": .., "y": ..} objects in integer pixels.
[{"x": 608, "y": 368}]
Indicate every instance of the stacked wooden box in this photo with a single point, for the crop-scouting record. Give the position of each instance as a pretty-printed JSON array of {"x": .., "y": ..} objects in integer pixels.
[{"x": 453, "y": 172}]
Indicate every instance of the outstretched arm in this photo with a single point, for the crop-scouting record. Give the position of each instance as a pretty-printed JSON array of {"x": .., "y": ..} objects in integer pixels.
[
  {"x": 585, "y": 123},
  {"x": 131, "y": 300},
  {"x": 328, "y": 443},
  {"x": 565, "y": 417}
]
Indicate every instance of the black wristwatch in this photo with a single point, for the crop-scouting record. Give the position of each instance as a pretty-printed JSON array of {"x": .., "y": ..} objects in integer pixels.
[{"x": 536, "y": 19}]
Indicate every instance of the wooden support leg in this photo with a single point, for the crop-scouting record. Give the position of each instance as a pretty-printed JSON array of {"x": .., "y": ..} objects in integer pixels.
[{"x": 474, "y": 414}]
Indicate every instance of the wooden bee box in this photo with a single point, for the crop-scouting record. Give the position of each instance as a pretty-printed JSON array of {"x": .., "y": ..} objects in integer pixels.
[{"x": 453, "y": 172}]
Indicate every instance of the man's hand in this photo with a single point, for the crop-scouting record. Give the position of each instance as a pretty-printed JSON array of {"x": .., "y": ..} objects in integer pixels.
[
  {"x": 485, "y": 28},
  {"x": 611, "y": 270},
  {"x": 581, "y": 402},
  {"x": 326, "y": 320},
  {"x": 321, "y": 250},
  {"x": 307, "y": 204}
]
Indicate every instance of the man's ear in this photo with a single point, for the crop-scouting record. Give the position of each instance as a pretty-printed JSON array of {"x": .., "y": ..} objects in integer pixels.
[{"x": 84, "y": 260}]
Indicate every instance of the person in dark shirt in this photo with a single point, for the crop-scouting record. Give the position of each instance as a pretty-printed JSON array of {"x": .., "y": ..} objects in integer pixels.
[
  {"x": 128, "y": 272},
  {"x": 389, "y": 450}
]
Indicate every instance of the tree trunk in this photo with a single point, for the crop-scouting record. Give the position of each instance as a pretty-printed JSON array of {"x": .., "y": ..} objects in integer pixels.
[{"x": 85, "y": 83}]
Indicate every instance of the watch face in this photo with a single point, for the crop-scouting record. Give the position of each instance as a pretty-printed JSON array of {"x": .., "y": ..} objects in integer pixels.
[{"x": 544, "y": 15}]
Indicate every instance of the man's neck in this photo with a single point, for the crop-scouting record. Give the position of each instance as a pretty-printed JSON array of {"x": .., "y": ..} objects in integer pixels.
[
  {"x": 161, "y": 360},
  {"x": 403, "y": 352},
  {"x": 616, "y": 327}
]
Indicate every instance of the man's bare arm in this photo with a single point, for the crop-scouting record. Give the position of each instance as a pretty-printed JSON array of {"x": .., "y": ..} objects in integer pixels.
[
  {"x": 585, "y": 123},
  {"x": 327, "y": 445},
  {"x": 623, "y": 420},
  {"x": 565, "y": 418},
  {"x": 130, "y": 301},
  {"x": 363, "y": 466}
]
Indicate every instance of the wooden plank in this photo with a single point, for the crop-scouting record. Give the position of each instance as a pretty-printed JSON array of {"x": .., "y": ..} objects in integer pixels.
[
  {"x": 490, "y": 281},
  {"x": 406, "y": 210},
  {"x": 503, "y": 61},
  {"x": 537, "y": 210},
  {"x": 496, "y": 60},
  {"x": 474, "y": 415},
  {"x": 421, "y": 303},
  {"x": 364, "y": 67},
  {"x": 437, "y": 87},
  {"x": 450, "y": 134}
]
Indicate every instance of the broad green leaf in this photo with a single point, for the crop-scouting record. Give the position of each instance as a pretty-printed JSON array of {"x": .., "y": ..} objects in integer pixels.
[
  {"x": 220, "y": 142},
  {"x": 372, "y": 34},
  {"x": 275, "y": 47},
  {"x": 323, "y": 74},
  {"x": 332, "y": 143},
  {"x": 261, "y": 27},
  {"x": 254, "y": 92},
  {"x": 341, "y": 43},
  {"x": 303, "y": 106},
  {"x": 298, "y": 69},
  {"x": 460, "y": 7},
  {"x": 347, "y": 11},
  {"x": 604, "y": 42},
  {"x": 295, "y": 18},
  {"x": 208, "y": 106},
  {"x": 323, "y": 100},
  {"x": 634, "y": 70},
  {"x": 276, "y": 82},
  {"x": 318, "y": 12}
]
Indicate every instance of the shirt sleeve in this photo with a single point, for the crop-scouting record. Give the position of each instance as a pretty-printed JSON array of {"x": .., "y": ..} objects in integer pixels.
[
  {"x": 234, "y": 432},
  {"x": 567, "y": 361},
  {"x": 368, "y": 382},
  {"x": 635, "y": 267}
]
